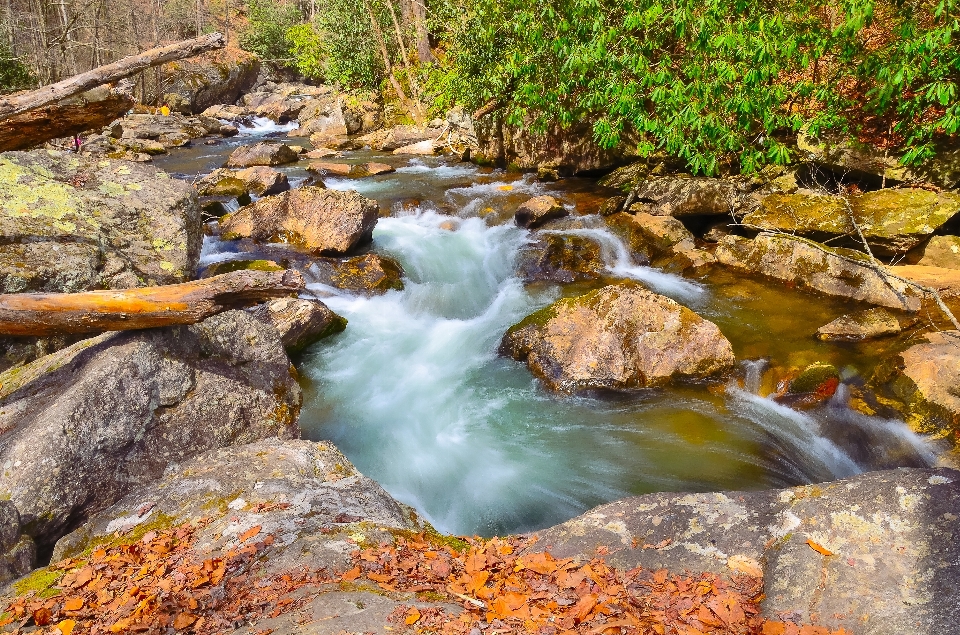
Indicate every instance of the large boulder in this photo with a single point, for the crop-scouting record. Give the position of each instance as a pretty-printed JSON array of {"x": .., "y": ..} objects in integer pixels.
[
  {"x": 893, "y": 220},
  {"x": 262, "y": 153},
  {"x": 84, "y": 425},
  {"x": 665, "y": 240},
  {"x": 306, "y": 495},
  {"x": 391, "y": 139},
  {"x": 171, "y": 131},
  {"x": 686, "y": 196},
  {"x": 852, "y": 157},
  {"x": 300, "y": 322},
  {"x": 619, "y": 337},
  {"x": 370, "y": 274},
  {"x": 875, "y": 554},
  {"x": 322, "y": 118},
  {"x": 559, "y": 257},
  {"x": 861, "y": 325},
  {"x": 71, "y": 223},
  {"x": 283, "y": 102},
  {"x": 322, "y": 221},
  {"x": 538, "y": 210},
  {"x": 258, "y": 180},
  {"x": 921, "y": 383},
  {"x": 810, "y": 265},
  {"x": 216, "y": 77}
]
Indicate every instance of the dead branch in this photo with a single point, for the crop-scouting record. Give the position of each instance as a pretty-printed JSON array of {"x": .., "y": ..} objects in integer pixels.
[{"x": 24, "y": 314}]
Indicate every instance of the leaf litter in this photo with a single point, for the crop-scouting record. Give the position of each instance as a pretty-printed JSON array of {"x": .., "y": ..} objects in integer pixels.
[{"x": 161, "y": 584}]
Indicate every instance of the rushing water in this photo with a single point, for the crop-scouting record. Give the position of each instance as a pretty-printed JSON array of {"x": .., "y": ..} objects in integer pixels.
[{"x": 416, "y": 396}]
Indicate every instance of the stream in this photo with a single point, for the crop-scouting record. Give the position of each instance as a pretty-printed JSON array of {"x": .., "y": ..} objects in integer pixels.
[{"x": 414, "y": 393}]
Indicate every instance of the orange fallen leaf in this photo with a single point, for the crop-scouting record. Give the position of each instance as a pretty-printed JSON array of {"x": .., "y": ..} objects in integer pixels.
[
  {"x": 73, "y": 604},
  {"x": 819, "y": 548},
  {"x": 66, "y": 627},
  {"x": 250, "y": 533},
  {"x": 183, "y": 620},
  {"x": 352, "y": 574},
  {"x": 413, "y": 616},
  {"x": 745, "y": 564}
]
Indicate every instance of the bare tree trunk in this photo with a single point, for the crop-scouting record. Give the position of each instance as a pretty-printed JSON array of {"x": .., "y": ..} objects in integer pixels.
[
  {"x": 28, "y": 100},
  {"x": 411, "y": 78},
  {"x": 388, "y": 67},
  {"x": 24, "y": 314},
  {"x": 418, "y": 12}
]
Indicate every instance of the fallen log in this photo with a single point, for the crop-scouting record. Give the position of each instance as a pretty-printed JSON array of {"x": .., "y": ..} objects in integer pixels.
[
  {"x": 23, "y": 314},
  {"x": 29, "y": 100},
  {"x": 91, "y": 110}
]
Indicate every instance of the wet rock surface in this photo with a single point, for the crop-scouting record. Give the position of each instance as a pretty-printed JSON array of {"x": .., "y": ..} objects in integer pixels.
[
  {"x": 810, "y": 265},
  {"x": 920, "y": 383},
  {"x": 619, "y": 337},
  {"x": 664, "y": 240},
  {"x": 562, "y": 258},
  {"x": 262, "y": 153},
  {"x": 82, "y": 426},
  {"x": 893, "y": 558},
  {"x": 74, "y": 223},
  {"x": 319, "y": 220},
  {"x": 300, "y": 322},
  {"x": 861, "y": 325},
  {"x": 539, "y": 210},
  {"x": 370, "y": 274},
  {"x": 258, "y": 180}
]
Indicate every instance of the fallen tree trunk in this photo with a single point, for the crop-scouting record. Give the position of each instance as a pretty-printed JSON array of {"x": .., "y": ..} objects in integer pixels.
[
  {"x": 88, "y": 111},
  {"x": 24, "y": 314},
  {"x": 29, "y": 100}
]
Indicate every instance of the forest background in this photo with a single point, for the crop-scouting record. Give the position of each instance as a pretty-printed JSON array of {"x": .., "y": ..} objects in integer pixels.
[{"x": 722, "y": 85}]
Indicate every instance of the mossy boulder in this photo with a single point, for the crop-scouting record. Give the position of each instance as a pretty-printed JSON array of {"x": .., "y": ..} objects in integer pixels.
[
  {"x": 227, "y": 266},
  {"x": 559, "y": 257},
  {"x": 208, "y": 79},
  {"x": 621, "y": 336},
  {"x": 810, "y": 265},
  {"x": 893, "y": 220},
  {"x": 941, "y": 251},
  {"x": 258, "y": 180},
  {"x": 818, "y": 378},
  {"x": 370, "y": 274},
  {"x": 73, "y": 223},
  {"x": 921, "y": 383},
  {"x": 680, "y": 195}
]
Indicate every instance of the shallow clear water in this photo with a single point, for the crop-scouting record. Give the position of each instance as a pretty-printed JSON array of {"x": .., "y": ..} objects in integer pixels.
[{"x": 415, "y": 395}]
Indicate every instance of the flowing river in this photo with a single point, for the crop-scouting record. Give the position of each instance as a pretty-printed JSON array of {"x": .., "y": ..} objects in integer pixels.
[{"x": 414, "y": 393}]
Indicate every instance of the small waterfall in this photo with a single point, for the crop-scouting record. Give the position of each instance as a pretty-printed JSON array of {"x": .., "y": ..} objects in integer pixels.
[
  {"x": 753, "y": 375},
  {"x": 263, "y": 126}
]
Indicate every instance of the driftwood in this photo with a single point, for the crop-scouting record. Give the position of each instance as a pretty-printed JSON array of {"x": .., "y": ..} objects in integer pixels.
[
  {"x": 32, "y": 99},
  {"x": 91, "y": 110},
  {"x": 187, "y": 303}
]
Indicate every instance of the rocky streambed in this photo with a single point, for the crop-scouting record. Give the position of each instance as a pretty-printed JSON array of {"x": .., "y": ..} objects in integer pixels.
[{"x": 496, "y": 352}]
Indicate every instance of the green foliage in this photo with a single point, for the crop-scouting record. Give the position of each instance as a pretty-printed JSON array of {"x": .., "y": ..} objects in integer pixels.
[
  {"x": 267, "y": 29},
  {"x": 721, "y": 84},
  {"x": 346, "y": 45},
  {"x": 14, "y": 74}
]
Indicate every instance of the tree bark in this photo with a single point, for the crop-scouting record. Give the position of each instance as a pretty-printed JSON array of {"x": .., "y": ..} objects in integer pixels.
[
  {"x": 33, "y": 314},
  {"x": 29, "y": 100},
  {"x": 89, "y": 111}
]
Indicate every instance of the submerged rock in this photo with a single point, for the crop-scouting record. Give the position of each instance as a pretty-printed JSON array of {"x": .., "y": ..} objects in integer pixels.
[
  {"x": 893, "y": 220},
  {"x": 813, "y": 266},
  {"x": 313, "y": 218},
  {"x": 560, "y": 258},
  {"x": 73, "y": 223},
  {"x": 306, "y": 495},
  {"x": 227, "y": 266},
  {"x": 262, "y": 153},
  {"x": 874, "y": 554},
  {"x": 921, "y": 383},
  {"x": 84, "y": 425},
  {"x": 861, "y": 325},
  {"x": 371, "y": 274},
  {"x": 814, "y": 385},
  {"x": 619, "y": 337},
  {"x": 300, "y": 322},
  {"x": 538, "y": 210},
  {"x": 258, "y": 180}
]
